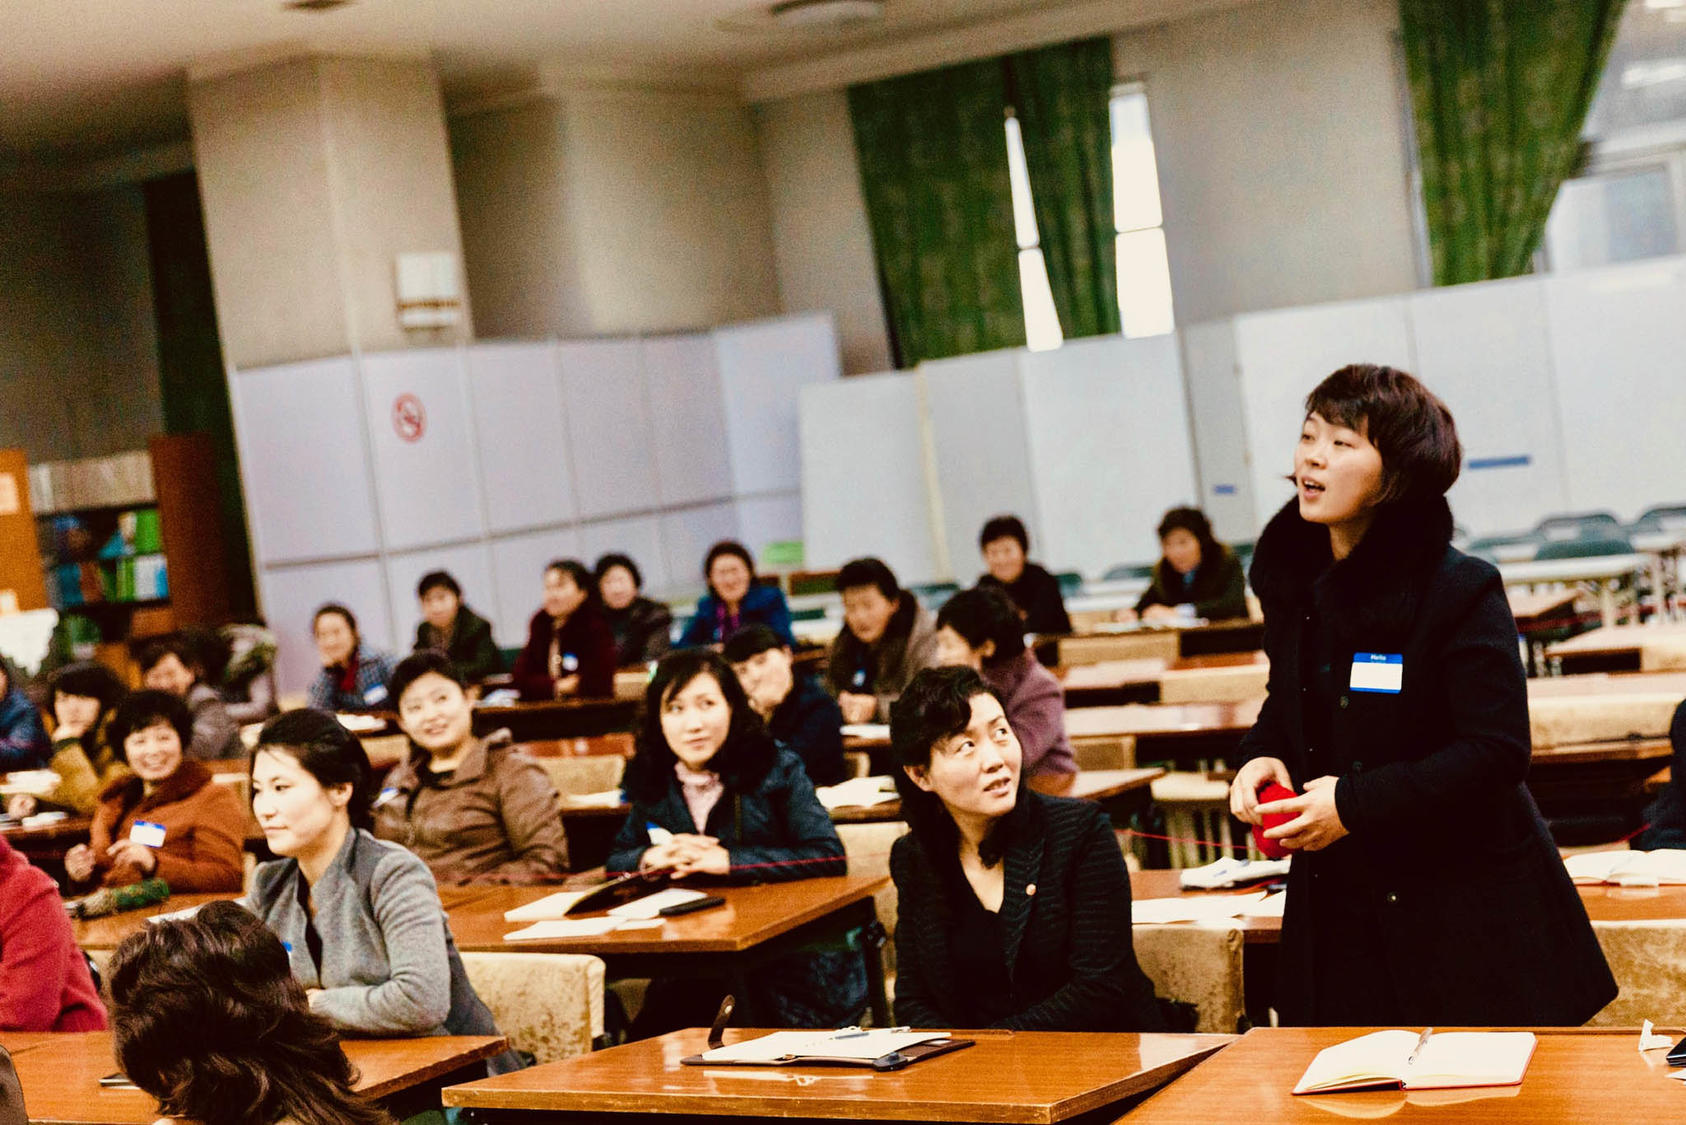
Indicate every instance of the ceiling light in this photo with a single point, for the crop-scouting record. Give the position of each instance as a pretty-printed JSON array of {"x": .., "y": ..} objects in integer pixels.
[{"x": 813, "y": 15}]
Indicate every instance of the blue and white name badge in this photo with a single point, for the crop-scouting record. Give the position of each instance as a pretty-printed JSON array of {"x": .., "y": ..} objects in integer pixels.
[
  {"x": 386, "y": 795},
  {"x": 859, "y": 679},
  {"x": 1378, "y": 671},
  {"x": 570, "y": 662},
  {"x": 146, "y": 832},
  {"x": 375, "y": 694}
]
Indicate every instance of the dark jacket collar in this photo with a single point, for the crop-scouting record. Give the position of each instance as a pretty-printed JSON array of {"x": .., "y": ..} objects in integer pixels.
[
  {"x": 1377, "y": 588},
  {"x": 190, "y": 777},
  {"x": 1022, "y": 863}
]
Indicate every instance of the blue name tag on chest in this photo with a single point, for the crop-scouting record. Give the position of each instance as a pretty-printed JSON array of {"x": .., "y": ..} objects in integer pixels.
[{"x": 1382, "y": 672}]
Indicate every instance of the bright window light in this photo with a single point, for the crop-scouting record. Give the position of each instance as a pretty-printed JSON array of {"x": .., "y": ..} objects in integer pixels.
[
  {"x": 1041, "y": 320},
  {"x": 1144, "y": 273},
  {"x": 1144, "y": 283},
  {"x": 1024, "y": 211}
]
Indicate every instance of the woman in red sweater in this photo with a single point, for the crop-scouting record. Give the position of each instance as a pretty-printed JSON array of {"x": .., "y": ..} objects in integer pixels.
[{"x": 44, "y": 980}]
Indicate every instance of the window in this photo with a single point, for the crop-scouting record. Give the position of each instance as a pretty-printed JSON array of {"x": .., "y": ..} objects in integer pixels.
[{"x": 1144, "y": 274}]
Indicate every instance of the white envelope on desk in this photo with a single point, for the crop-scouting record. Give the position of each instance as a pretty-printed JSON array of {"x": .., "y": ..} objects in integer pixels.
[
  {"x": 651, "y": 905},
  {"x": 558, "y": 928},
  {"x": 549, "y": 908}
]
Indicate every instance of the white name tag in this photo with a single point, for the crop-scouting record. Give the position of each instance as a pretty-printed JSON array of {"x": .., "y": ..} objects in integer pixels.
[
  {"x": 148, "y": 833},
  {"x": 570, "y": 662},
  {"x": 386, "y": 795},
  {"x": 374, "y": 695},
  {"x": 1378, "y": 671}
]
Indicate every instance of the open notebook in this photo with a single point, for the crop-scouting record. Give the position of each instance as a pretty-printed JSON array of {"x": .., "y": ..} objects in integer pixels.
[
  {"x": 1409, "y": 1061},
  {"x": 1665, "y": 866}
]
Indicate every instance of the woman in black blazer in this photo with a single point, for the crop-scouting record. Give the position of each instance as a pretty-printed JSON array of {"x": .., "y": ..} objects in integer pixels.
[
  {"x": 1014, "y": 907},
  {"x": 1427, "y": 889}
]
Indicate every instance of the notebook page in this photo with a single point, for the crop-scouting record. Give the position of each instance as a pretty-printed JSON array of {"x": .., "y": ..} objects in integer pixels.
[
  {"x": 1471, "y": 1058},
  {"x": 549, "y": 907},
  {"x": 651, "y": 905},
  {"x": 1374, "y": 1059}
]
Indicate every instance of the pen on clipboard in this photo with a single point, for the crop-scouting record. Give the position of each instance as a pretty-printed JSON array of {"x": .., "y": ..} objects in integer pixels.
[{"x": 1422, "y": 1040}]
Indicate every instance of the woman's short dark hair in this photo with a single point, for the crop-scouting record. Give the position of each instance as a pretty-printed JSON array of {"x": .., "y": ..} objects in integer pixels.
[
  {"x": 337, "y": 610},
  {"x": 1193, "y": 521},
  {"x": 577, "y": 573},
  {"x": 1408, "y": 425},
  {"x": 751, "y": 640},
  {"x": 209, "y": 1019},
  {"x": 729, "y": 547},
  {"x": 985, "y": 613},
  {"x": 326, "y": 751},
  {"x": 437, "y": 580},
  {"x": 143, "y": 709},
  {"x": 858, "y": 573},
  {"x": 613, "y": 559},
  {"x": 1004, "y": 527},
  {"x": 415, "y": 666},
  {"x": 89, "y": 679},
  {"x": 937, "y": 705},
  {"x": 174, "y": 645},
  {"x": 742, "y": 760}
]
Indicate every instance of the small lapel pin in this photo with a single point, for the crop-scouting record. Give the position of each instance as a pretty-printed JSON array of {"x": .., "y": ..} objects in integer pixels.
[{"x": 1030, "y": 890}]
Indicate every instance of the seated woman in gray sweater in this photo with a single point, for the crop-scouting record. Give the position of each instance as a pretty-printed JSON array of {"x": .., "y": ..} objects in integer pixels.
[{"x": 361, "y": 918}]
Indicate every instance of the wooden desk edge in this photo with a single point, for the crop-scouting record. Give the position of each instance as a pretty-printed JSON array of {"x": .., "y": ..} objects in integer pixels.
[{"x": 477, "y": 1047}]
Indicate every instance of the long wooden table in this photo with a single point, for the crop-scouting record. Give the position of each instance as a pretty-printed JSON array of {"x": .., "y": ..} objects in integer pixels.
[
  {"x": 1142, "y": 680},
  {"x": 757, "y": 923},
  {"x": 60, "y": 1072},
  {"x": 1087, "y": 785},
  {"x": 1034, "y": 1077},
  {"x": 559, "y": 718},
  {"x": 1576, "y": 1076}
]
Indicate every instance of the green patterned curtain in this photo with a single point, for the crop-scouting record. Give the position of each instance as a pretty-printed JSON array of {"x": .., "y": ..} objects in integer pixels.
[
  {"x": 1062, "y": 96},
  {"x": 1500, "y": 90},
  {"x": 933, "y": 161}
]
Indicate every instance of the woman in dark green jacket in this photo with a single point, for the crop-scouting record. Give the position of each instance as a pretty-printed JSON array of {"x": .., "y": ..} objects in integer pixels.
[
  {"x": 454, "y": 629},
  {"x": 1195, "y": 570}
]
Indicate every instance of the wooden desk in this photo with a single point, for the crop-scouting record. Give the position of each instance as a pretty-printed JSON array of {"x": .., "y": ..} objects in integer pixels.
[
  {"x": 1576, "y": 1076},
  {"x": 1535, "y": 609},
  {"x": 1615, "y": 648},
  {"x": 758, "y": 923},
  {"x": 1029, "y": 1076},
  {"x": 60, "y": 1073},
  {"x": 559, "y": 718},
  {"x": 1116, "y": 682},
  {"x": 1087, "y": 785},
  {"x": 1658, "y": 781},
  {"x": 619, "y": 744},
  {"x": 1607, "y": 683},
  {"x": 1603, "y": 572},
  {"x": 1594, "y": 792}
]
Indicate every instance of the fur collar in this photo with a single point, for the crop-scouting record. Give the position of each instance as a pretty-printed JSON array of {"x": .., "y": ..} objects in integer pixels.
[
  {"x": 1375, "y": 590},
  {"x": 190, "y": 777}
]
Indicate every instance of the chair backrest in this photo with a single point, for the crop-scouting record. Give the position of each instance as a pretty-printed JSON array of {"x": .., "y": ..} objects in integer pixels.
[
  {"x": 1648, "y": 960},
  {"x": 1070, "y": 583},
  {"x": 577, "y": 776},
  {"x": 1578, "y": 525},
  {"x": 1198, "y": 963},
  {"x": 934, "y": 595},
  {"x": 1666, "y": 517},
  {"x": 550, "y": 1004},
  {"x": 1569, "y": 720},
  {"x": 1584, "y": 548},
  {"x": 1215, "y": 685},
  {"x": 11, "y": 1093},
  {"x": 1493, "y": 547},
  {"x": 1128, "y": 570},
  {"x": 867, "y": 848}
]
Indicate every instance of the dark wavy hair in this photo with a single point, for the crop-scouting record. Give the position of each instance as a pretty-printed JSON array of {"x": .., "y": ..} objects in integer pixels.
[
  {"x": 326, "y": 751},
  {"x": 438, "y": 579},
  {"x": 89, "y": 679},
  {"x": 418, "y": 664},
  {"x": 742, "y": 760},
  {"x": 144, "y": 708},
  {"x": 175, "y": 645},
  {"x": 209, "y": 1020},
  {"x": 985, "y": 613},
  {"x": 1193, "y": 521},
  {"x": 937, "y": 705},
  {"x": 860, "y": 573},
  {"x": 615, "y": 558},
  {"x": 1004, "y": 527},
  {"x": 733, "y": 548},
  {"x": 1410, "y": 427}
]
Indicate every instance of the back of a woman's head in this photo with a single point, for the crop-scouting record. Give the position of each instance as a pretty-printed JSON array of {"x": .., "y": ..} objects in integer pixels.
[
  {"x": 328, "y": 752},
  {"x": 209, "y": 1020}
]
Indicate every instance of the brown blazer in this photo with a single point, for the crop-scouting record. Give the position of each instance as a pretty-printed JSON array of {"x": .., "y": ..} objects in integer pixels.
[
  {"x": 496, "y": 818},
  {"x": 204, "y": 828}
]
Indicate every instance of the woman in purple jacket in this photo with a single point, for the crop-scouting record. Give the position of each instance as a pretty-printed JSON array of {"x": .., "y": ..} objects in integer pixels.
[{"x": 981, "y": 629}]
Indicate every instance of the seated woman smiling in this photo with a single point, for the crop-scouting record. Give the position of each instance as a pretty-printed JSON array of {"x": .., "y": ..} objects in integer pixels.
[{"x": 1014, "y": 907}]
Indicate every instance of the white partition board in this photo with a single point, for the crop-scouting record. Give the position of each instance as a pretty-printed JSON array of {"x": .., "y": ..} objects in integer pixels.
[
  {"x": 689, "y": 533},
  {"x": 521, "y": 431},
  {"x": 687, "y": 420},
  {"x": 1617, "y": 339},
  {"x": 303, "y": 460},
  {"x": 608, "y": 426},
  {"x": 1220, "y": 429},
  {"x": 863, "y": 475},
  {"x": 518, "y": 563},
  {"x": 769, "y": 519},
  {"x": 1283, "y": 355},
  {"x": 421, "y": 437},
  {"x": 291, "y": 596},
  {"x": 763, "y": 368},
  {"x": 1485, "y": 350},
  {"x": 640, "y": 539},
  {"x": 1109, "y": 448},
  {"x": 977, "y": 418},
  {"x": 469, "y": 563}
]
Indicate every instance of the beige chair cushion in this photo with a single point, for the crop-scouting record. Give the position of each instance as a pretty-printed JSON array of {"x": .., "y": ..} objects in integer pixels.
[
  {"x": 1663, "y": 656},
  {"x": 1157, "y": 644},
  {"x": 1648, "y": 959},
  {"x": 867, "y": 847},
  {"x": 1198, "y": 963},
  {"x": 1190, "y": 788},
  {"x": 595, "y": 773},
  {"x": 1214, "y": 685},
  {"x": 548, "y": 1003},
  {"x": 1596, "y": 718},
  {"x": 1104, "y": 753}
]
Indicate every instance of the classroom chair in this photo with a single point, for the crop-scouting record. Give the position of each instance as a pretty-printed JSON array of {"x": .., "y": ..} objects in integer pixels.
[
  {"x": 1128, "y": 571},
  {"x": 1215, "y": 685},
  {"x": 933, "y": 595},
  {"x": 1578, "y": 525},
  {"x": 857, "y": 763},
  {"x": 1196, "y": 807},
  {"x": 867, "y": 848},
  {"x": 1070, "y": 582},
  {"x": 1663, "y": 656},
  {"x": 1591, "y": 718},
  {"x": 1104, "y": 753},
  {"x": 1197, "y": 963},
  {"x": 1648, "y": 960},
  {"x": 1517, "y": 547},
  {"x": 1669, "y": 518},
  {"x": 1586, "y": 547},
  {"x": 576, "y": 777},
  {"x": 549, "y": 1004}
]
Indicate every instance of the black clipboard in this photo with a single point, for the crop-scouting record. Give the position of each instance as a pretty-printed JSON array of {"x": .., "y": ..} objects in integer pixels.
[
  {"x": 895, "y": 1060},
  {"x": 621, "y": 889}
]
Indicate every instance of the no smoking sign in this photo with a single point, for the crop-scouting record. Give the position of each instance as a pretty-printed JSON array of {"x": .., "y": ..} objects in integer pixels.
[{"x": 409, "y": 417}]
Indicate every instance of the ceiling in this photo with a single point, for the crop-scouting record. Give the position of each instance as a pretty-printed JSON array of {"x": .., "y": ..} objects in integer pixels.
[{"x": 86, "y": 77}]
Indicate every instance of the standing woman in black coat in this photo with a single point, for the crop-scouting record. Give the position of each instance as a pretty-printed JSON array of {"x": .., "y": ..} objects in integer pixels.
[{"x": 1425, "y": 887}]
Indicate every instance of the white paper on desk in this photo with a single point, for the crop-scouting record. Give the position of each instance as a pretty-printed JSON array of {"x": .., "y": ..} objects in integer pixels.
[
  {"x": 1229, "y": 871},
  {"x": 556, "y": 928},
  {"x": 36, "y": 783},
  {"x": 547, "y": 909},
  {"x": 1204, "y": 908},
  {"x": 360, "y": 724},
  {"x": 877, "y": 732},
  {"x": 857, "y": 792},
  {"x": 607, "y": 799},
  {"x": 863, "y": 1046},
  {"x": 1663, "y": 867},
  {"x": 42, "y": 819},
  {"x": 651, "y": 905},
  {"x": 1271, "y": 907}
]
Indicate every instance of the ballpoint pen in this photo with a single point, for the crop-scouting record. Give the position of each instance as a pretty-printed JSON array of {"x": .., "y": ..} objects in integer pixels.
[{"x": 1421, "y": 1039}]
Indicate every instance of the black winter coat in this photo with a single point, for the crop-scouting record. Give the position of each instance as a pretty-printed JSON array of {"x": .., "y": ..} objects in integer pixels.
[
  {"x": 809, "y": 724},
  {"x": 1065, "y": 916},
  {"x": 1447, "y": 904}
]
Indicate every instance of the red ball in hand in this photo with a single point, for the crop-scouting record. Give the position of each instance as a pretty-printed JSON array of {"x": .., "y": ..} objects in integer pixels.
[{"x": 1273, "y": 848}]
